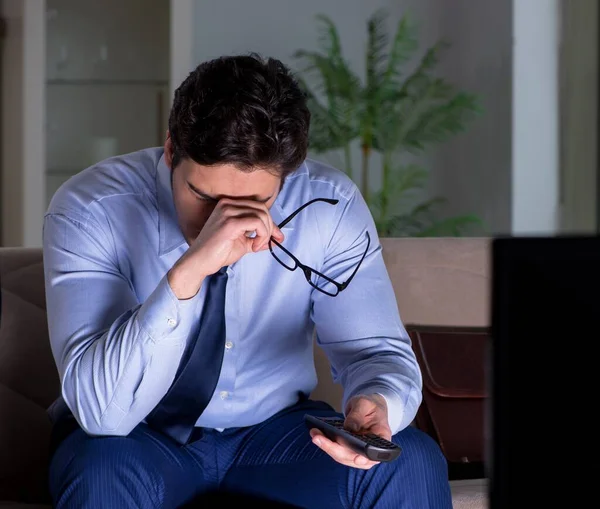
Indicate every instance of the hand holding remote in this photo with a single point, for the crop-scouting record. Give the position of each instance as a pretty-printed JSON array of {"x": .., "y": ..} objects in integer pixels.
[{"x": 366, "y": 414}]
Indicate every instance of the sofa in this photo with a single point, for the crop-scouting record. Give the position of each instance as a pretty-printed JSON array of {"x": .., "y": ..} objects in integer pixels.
[{"x": 438, "y": 281}]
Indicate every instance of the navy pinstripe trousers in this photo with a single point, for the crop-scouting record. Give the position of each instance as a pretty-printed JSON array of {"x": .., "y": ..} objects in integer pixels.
[{"x": 274, "y": 463}]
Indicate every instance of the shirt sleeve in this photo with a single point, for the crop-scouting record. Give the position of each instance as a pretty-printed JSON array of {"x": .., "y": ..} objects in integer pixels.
[
  {"x": 116, "y": 357},
  {"x": 360, "y": 330}
]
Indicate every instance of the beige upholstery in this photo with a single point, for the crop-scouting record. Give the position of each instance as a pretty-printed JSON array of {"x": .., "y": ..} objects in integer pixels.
[
  {"x": 440, "y": 281},
  {"x": 437, "y": 281}
]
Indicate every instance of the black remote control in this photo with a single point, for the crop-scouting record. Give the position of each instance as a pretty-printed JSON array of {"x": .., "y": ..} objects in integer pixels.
[{"x": 372, "y": 446}]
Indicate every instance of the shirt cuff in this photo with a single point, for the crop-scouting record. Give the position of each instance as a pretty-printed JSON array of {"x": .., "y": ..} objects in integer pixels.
[
  {"x": 164, "y": 316},
  {"x": 395, "y": 410}
]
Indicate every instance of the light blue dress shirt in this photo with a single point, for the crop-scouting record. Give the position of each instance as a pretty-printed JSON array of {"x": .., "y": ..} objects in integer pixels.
[{"x": 118, "y": 332}]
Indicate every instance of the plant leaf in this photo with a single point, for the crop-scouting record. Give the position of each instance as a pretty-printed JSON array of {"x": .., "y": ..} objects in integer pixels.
[
  {"x": 403, "y": 47},
  {"x": 329, "y": 39},
  {"x": 438, "y": 122},
  {"x": 405, "y": 182},
  {"x": 392, "y": 112},
  {"x": 377, "y": 42},
  {"x": 401, "y": 105},
  {"x": 325, "y": 133},
  {"x": 420, "y": 217},
  {"x": 376, "y": 54},
  {"x": 334, "y": 124},
  {"x": 450, "y": 227}
]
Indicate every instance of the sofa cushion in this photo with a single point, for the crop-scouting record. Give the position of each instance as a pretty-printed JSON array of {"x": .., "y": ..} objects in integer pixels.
[
  {"x": 28, "y": 377},
  {"x": 440, "y": 281},
  {"x": 26, "y": 362}
]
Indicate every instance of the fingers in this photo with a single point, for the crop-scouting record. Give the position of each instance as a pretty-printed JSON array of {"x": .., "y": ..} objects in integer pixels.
[
  {"x": 381, "y": 430},
  {"x": 341, "y": 453},
  {"x": 353, "y": 421},
  {"x": 366, "y": 415},
  {"x": 377, "y": 427},
  {"x": 243, "y": 224},
  {"x": 253, "y": 224},
  {"x": 277, "y": 233},
  {"x": 234, "y": 210},
  {"x": 263, "y": 243}
]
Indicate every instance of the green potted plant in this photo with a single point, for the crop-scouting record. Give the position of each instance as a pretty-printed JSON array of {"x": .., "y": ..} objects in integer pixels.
[{"x": 391, "y": 113}]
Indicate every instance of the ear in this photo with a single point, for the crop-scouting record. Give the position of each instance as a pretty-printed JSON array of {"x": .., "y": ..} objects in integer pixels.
[{"x": 169, "y": 151}]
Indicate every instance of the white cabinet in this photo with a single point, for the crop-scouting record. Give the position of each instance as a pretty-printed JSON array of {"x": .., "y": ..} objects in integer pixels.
[
  {"x": 107, "y": 81},
  {"x": 80, "y": 80}
]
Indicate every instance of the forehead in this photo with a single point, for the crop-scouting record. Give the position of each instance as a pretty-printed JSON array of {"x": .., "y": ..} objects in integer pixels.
[{"x": 228, "y": 180}]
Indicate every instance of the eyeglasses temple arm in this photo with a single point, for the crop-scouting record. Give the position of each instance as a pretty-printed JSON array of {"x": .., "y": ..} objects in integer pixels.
[
  {"x": 295, "y": 213},
  {"x": 347, "y": 282}
]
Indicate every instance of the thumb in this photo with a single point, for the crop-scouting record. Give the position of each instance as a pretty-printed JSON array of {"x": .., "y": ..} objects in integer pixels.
[
  {"x": 252, "y": 244},
  {"x": 277, "y": 234}
]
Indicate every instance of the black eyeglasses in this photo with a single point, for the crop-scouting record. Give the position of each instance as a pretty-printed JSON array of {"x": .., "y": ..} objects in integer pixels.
[{"x": 318, "y": 281}]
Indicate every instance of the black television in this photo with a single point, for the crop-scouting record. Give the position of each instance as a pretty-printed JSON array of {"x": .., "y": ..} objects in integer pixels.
[{"x": 545, "y": 332}]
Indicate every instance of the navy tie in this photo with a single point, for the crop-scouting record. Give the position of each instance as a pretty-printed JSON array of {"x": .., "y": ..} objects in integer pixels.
[{"x": 195, "y": 382}]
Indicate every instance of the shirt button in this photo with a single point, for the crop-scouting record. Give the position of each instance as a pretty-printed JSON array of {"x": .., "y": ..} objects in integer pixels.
[
  {"x": 224, "y": 394},
  {"x": 229, "y": 345},
  {"x": 171, "y": 322}
]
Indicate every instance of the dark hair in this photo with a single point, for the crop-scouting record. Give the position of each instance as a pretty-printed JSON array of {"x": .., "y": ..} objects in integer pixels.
[{"x": 241, "y": 110}]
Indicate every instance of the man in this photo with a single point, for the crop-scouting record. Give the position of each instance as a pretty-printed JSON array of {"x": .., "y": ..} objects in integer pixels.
[{"x": 183, "y": 287}]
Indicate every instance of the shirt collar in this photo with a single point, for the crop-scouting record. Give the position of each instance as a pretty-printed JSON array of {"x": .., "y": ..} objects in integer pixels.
[
  {"x": 278, "y": 214},
  {"x": 170, "y": 235}
]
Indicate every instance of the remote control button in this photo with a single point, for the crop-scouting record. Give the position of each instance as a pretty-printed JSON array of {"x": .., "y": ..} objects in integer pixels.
[{"x": 370, "y": 439}]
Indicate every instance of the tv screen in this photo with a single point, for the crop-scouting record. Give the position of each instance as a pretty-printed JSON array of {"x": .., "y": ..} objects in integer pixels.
[{"x": 545, "y": 314}]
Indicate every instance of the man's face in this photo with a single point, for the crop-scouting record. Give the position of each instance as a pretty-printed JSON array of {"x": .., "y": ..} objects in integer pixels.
[{"x": 197, "y": 190}]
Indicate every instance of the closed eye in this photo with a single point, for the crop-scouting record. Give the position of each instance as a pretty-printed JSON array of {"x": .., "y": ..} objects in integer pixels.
[
  {"x": 201, "y": 196},
  {"x": 212, "y": 199}
]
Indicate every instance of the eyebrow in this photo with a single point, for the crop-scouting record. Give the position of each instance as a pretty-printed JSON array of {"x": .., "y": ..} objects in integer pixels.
[{"x": 216, "y": 198}]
